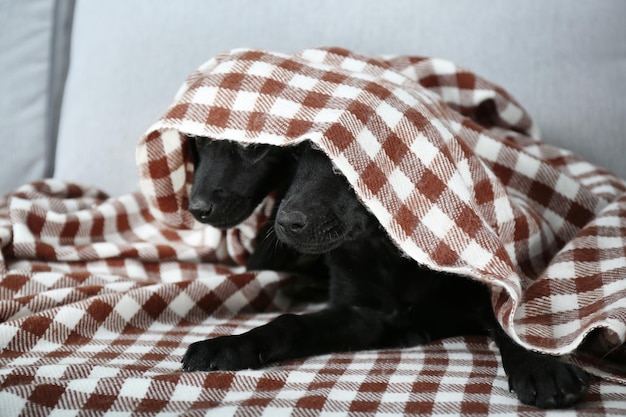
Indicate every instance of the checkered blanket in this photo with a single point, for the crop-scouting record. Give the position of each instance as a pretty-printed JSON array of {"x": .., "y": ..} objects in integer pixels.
[
  {"x": 99, "y": 296},
  {"x": 449, "y": 163}
]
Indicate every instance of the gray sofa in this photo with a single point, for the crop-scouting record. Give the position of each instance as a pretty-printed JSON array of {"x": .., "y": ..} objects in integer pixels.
[
  {"x": 99, "y": 301},
  {"x": 564, "y": 61}
]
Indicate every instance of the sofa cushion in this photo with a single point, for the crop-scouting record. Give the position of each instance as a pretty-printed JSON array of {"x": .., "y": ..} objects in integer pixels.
[
  {"x": 34, "y": 38},
  {"x": 560, "y": 59}
]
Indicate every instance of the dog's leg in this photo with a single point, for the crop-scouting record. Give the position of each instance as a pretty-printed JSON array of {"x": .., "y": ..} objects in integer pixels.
[
  {"x": 539, "y": 379},
  {"x": 290, "y": 336}
]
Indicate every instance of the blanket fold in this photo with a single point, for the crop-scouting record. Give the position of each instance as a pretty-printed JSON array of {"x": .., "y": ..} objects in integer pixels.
[
  {"x": 94, "y": 336},
  {"x": 100, "y": 296},
  {"x": 449, "y": 163}
]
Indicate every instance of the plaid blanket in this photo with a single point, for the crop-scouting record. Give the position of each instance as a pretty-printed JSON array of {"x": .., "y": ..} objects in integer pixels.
[
  {"x": 99, "y": 296},
  {"x": 449, "y": 163}
]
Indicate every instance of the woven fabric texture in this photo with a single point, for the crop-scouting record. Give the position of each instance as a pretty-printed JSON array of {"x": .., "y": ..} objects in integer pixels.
[
  {"x": 448, "y": 162},
  {"x": 99, "y": 302},
  {"x": 100, "y": 297}
]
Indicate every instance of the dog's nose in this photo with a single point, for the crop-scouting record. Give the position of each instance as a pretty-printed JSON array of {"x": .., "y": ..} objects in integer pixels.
[
  {"x": 293, "y": 221},
  {"x": 201, "y": 210}
]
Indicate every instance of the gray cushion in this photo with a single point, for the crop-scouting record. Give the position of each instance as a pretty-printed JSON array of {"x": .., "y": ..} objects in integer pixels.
[
  {"x": 34, "y": 38},
  {"x": 560, "y": 58}
]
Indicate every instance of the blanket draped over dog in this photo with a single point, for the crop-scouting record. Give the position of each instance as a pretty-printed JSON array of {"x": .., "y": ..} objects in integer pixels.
[
  {"x": 449, "y": 163},
  {"x": 99, "y": 296}
]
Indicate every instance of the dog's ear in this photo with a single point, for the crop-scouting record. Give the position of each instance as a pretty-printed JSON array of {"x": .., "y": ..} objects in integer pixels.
[{"x": 191, "y": 143}]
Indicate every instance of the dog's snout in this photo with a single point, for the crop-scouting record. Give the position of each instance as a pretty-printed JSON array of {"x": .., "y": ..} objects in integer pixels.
[
  {"x": 292, "y": 221},
  {"x": 201, "y": 210}
]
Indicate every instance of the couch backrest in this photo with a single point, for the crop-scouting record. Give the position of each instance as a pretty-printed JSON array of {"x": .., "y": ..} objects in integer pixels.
[
  {"x": 34, "y": 50},
  {"x": 565, "y": 61}
]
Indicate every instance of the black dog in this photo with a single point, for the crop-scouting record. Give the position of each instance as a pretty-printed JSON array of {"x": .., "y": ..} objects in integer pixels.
[
  {"x": 230, "y": 181},
  {"x": 378, "y": 298}
]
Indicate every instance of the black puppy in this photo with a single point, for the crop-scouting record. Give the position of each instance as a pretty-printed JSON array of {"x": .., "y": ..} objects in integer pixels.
[
  {"x": 378, "y": 298},
  {"x": 230, "y": 181}
]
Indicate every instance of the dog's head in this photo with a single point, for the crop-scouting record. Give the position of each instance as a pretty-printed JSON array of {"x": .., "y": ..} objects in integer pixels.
[
  {"x": 320, "y": 210},
  {"x": 231, "y": 180}
]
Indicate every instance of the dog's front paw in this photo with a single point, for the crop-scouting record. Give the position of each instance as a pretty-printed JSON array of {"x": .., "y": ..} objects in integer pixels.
[
  {"x": 547, "y": 382},
  {"x": 226, "y": 353}
]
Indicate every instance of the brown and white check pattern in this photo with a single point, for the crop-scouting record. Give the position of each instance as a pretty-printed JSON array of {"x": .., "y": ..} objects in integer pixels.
[
  {"x": 449, "y": 163},
  {"x": 99, "y": 297}
]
